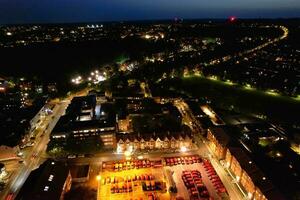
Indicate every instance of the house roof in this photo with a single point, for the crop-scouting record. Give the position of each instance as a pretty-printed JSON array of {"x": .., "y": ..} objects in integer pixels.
[
  {"x": 164, "y": 136},
  {"x": 220, "y": 135}
]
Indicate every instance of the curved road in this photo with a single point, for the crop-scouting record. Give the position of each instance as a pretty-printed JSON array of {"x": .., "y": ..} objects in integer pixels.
[{"x": 228, "y": 57}]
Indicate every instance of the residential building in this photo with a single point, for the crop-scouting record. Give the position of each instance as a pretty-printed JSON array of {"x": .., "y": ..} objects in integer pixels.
[
  {"x": 252, "y": 181},
  {"x": 153, "y": 141},
  {"x": 218, "y": 141}
]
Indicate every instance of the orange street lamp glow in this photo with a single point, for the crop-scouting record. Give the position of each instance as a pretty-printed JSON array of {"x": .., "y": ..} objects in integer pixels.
[
  {"x": 127, "y": 153},
  {"x": 183, "y": 149},
  {"x": 98, "y": 178}
]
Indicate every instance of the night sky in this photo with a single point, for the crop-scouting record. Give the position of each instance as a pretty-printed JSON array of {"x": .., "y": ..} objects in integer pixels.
[{"x": 51, "y": 11}]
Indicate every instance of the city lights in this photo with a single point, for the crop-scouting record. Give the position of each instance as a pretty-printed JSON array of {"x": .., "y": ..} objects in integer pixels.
[
  {"x": 184, "y": 109},
  {"x": 77, "y": 80},
  {"x": 127, "y": 153},
  {"x": 98, "y": 177},
  {"x": 232, "y": 18},
  {"x": 183, "y": 149}
]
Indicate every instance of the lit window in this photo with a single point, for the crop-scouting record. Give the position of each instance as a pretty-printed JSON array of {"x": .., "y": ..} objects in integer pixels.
[
  {"x": 50, "y": 178},
  {"x": 46, "y": 188}
]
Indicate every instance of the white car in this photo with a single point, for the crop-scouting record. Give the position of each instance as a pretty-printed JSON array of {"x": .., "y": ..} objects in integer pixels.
[{"x": 71, "y": 156}]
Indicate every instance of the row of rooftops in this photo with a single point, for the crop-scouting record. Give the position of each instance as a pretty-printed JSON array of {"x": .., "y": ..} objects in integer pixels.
[{"x": 163, "y": 136}]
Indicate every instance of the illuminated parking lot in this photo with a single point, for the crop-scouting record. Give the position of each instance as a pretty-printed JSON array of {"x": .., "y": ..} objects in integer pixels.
[
  {"x": 129, "y": 177},
  {"x": 118, "y": 180}
]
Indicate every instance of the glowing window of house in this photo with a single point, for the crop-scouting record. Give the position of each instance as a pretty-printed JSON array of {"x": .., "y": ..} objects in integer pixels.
[
  {"x": 46, "y": 188},
  {"x": 50, "y": 177}
]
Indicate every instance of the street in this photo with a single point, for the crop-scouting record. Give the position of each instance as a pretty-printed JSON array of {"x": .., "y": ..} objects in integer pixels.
[
  {"x": 204, "y": 151},
  {"x": 35, "y": 155}
]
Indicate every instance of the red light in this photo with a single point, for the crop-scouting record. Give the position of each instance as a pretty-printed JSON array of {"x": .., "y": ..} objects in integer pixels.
[{"x": 232, "y": 19}]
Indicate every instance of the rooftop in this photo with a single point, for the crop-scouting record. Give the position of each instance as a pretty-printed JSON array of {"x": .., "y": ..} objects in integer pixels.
[
  {"x": 220, "y": 135},
  {"x": 256, "y": 175},
  {"x": 46, "y": 182}
]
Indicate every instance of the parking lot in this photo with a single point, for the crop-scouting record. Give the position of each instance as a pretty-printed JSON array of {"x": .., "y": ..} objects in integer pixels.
[
  {"x": 129, "y": 180},
  {"x": 182, "y": 190},
  {"x": 127, "y": 184}
]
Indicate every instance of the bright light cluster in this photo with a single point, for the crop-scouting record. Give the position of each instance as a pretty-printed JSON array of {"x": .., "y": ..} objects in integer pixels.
[
  {"x": 77, "y": 80},
  {"x": 96, "y": 77}
]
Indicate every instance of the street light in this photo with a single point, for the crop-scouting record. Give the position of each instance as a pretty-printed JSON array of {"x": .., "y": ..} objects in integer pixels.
[
  {"x": 127, "y": 153},
  {"x": 98, "y": 177},
  {"x": 183, "y": 149}
]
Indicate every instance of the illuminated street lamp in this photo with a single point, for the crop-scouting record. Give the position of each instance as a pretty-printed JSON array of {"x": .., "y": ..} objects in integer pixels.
[
  {"x": 127, "y": 153},
  {"x": 183, "y": 149},
  {"x": 98, "y": 177}
]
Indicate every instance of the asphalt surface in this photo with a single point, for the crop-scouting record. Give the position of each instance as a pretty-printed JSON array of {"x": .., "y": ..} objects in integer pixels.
[
  {"x": 233, "y": 191},
  {"x": 34, "y": 155}
]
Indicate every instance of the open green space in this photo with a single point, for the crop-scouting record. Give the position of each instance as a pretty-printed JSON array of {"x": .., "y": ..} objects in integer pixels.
[{"x": 276, "y": 107}]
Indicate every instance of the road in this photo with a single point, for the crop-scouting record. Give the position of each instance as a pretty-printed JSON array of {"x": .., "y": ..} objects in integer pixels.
[
  {"x": 204, "y": 151},
  {"x": 35, "y": 155},
  {"x": 259, "y": 47},
  {"x": 187, "y": 116}
]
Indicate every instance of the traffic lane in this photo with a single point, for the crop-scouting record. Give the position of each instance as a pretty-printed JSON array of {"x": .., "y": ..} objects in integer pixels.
[
  {"x": 105, "y": 157},
  {"x": 18, "y": 178},
  {"x": 229, "y": 184},
  {"x": 232, "y": 189}
]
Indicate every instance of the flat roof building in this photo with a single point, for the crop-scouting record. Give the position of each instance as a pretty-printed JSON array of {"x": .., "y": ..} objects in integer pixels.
[
  {"x": 85, "y": 118},
  {"x": 49, "y": 182}
]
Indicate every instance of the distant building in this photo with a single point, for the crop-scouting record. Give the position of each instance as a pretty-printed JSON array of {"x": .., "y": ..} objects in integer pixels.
[
  {"x": 3, "y": 85},
  {"x": 39, "y": 89},
  {"x": 49, "y": 182},
  {"x": 26, "y": 85},
  {"x": 52, "y": 88}
]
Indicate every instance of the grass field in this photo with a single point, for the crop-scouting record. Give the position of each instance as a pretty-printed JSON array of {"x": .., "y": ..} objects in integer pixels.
[{"x": 244, "y": 99}]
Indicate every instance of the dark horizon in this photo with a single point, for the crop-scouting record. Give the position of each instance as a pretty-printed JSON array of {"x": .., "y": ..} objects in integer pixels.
[
  {"x": 156, "y": 20},
  {"x": 62, "y": 11}
]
